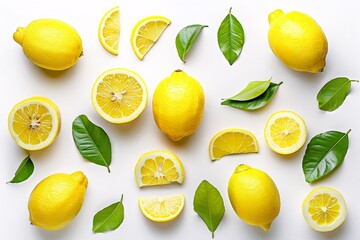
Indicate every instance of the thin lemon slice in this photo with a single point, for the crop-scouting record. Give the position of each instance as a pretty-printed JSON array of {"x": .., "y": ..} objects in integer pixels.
[
  {"x": 232, "y": 141},
  {"x": 119, "y": 95},
  {"x": 109, "y": 30},
  {"x": 158, "y": 168},
  {"x": 324, "y": 209},
  {"x": 162, "y": 208},
  {"x": 146, "y": 32},
  {"x": 285, "y": 132},
  {"x": 34, "y": 123}
]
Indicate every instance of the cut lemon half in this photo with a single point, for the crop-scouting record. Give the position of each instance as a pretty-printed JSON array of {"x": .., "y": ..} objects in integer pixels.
[
  {"x": 232, "y": 141},
  {"x": 324, "y": 209},
  {"x": 162, "y": 208},
  {"x": 109, "y": 30},
  {"x": 146, "y": 32},
  {"x": 158, "y": 168},
  {"x": 34, "y": 123},
  {"x": 119, "y": 95},
  {"x": 285, "y": 132}
]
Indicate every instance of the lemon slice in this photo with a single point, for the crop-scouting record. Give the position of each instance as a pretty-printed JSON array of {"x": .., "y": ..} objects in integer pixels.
[
  {"x": 34, "y": 123},
  {"x": 232, "y": 141},
  {"x": 109, "y": 30},
  {"x": 285, "y": 132},
  {"x": 324, "y": 209},
  {"x": 119, "y": 95},
  {"x": 158, "y": 168},
  {"x": 146, "y": 32},
  {"x": 162, "y": 208}
]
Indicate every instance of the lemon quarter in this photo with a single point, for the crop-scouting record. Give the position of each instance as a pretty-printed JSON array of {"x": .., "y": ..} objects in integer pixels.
[
  {"x": 34, "y": 123},
  {"x": 109, "y": 30}
]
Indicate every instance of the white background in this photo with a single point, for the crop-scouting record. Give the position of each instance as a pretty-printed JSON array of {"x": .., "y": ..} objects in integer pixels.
[{"x": 70, "y": 90}]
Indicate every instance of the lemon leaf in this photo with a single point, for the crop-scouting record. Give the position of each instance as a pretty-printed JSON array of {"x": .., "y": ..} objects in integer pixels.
[
  {"x": 92, "y": 141},
  {"x": 209, "y": 204},
  {"x": 231, "y": 38},
  {"x": 324, "y": 153},
  {"x": 109, "y": 218},
  {"x": 24, "y": 171},
  {"x": 252, "y": 90}
]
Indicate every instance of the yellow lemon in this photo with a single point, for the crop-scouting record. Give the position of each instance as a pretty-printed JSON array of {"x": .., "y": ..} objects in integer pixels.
[
  {"x": 57, "y": 199},
  {"x": 324, "y": 209},
  {"x": 254, "y": 196},
  {"x": 178, "y": 105},
  {"x": 50, "y": 43},
  {"x": 298, "y": 41},
  {"x": 109, "y": 30}
]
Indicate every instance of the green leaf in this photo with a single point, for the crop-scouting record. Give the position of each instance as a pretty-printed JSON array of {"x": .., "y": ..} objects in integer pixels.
[
  {"x": 251, "y": 91},
  {"x": 231, "y": 38},
  {"x": 209, "y": 204},
  {"x": 185, "y": 39},
  {"x": 332, "y": 95},
  {"x": 109, "y": 218},
  {"x": 92, "y": 141},
  {"x": 24, "y": 171},
  {"x": 324, "y": 153},
  {"x": 257, "y": 102}
]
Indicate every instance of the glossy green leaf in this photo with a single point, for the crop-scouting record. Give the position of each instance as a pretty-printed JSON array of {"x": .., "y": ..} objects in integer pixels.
[
  {"x": 92, "y": 141},
  {"x": 324, "y": 153},
  {"x": 185, "y": 39},
  {"x": 332, "y": 95},
  {"x": 24, "y": 171},
  {"x": 109, "y": 218},
  {"x": 209, "y": 204},
  {"x": 231, "y": 38},
  {"x": 251, "y": 91},
  {"x": 257, "y": 102}
]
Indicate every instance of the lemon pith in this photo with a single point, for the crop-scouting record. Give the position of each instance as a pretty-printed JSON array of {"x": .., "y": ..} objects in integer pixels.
[{"x": 109, "y": 30}]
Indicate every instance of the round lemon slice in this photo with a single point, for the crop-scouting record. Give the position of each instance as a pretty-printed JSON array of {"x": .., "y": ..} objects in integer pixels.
[
  {"x": 232, "y": 141},
  {"x": 119, "y": 95},
  {"x": 146, "y": 32},
  {"x": 285, "y": 132},
  {"x": 324, "y": 209},
  {"x": 158, "y": 168},
  {"x": 109, "y": 30},
  {"x": 162, "y": 208},
  {"x": 34, "y": 123}
]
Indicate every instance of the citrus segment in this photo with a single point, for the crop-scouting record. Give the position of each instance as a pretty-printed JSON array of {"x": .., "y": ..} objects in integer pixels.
[
  {"x": 162, "y": 208},
  {"x": 285, "y": 132},
  {"x": 232, "y": 141},
  {"x": 119, "y": 95},
  {"x": 34, "y": 123},
  {"x": 146, "y": 32},
  {"x": 324, "y": 209},
  {"x": 109, "y": 30},
  {"x": 158, "y": 168}
]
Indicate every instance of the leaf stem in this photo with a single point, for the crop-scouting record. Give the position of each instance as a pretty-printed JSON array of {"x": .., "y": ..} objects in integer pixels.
[
  {"x": 354, "y": 80},
  {"x": 122, "y": 196},
  {"x": 108, "y": 168},
  {"x": 347, "y": 133}
]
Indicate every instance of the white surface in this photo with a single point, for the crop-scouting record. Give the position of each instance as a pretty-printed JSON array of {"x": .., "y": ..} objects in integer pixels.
[{"x": 70, "y": 90}]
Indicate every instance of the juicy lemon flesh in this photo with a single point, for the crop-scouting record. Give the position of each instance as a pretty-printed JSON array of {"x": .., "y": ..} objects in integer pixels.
[
  {"x": 162, "y": 209},
  {"x": 148, "y": 34},
  {"x": 232, "y": 142},
  {"x": 324, "y": 209},
  {"x": 119, "y": 95},
  {"x": 285, "y": 132},
  {"x": 158, "y": 171},
  {"x": 109, "y": 30},
  {"x": 32, "y": 124}
]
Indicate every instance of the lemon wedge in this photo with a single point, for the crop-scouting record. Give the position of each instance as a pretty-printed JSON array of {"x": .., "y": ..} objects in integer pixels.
[
  {"x": 119, "y": 95},
  {"x": 158, "y": 167},
  {"x": 34, "y": 123},
  {"x": 109, "y": 30},
  {"x": 162, "y": 208},
  {"x": 324, "y": 209},
  {"x": 146, "y": 32},
  {"x": 232, "y": 141},
  {"x": 285, "y": 132}
]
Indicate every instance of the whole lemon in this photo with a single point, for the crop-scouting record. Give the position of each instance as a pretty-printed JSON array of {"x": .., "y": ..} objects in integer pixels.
[
  {"x": 254, "y": 196},
  {"x": 57, "y": 199},
  {"x": 298, "y": 41},
  {"x": 50, "y": 43},
  {"x": 178, "y": 105}
]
